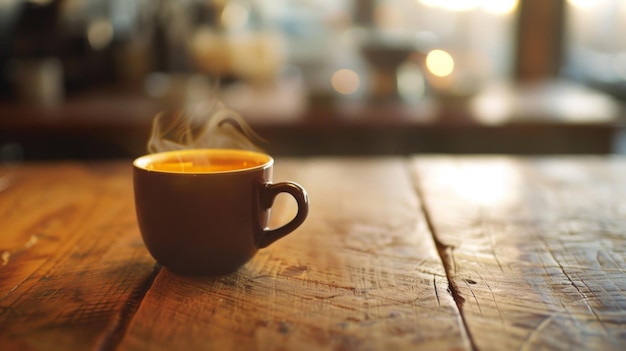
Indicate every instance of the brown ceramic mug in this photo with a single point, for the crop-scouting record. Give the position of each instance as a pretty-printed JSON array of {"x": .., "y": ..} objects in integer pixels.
[{"x": 205, "y": 212}]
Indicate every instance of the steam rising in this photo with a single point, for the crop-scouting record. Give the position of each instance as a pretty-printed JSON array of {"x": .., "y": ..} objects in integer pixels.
[{"x": 209, "y": 127}]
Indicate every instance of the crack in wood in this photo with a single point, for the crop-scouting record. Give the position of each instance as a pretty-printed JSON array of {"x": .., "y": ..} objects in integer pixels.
[
  {"x": 436, "y": 290},
  {"x": 115, "y": 333},
  {"x": 447, "y": 259}
]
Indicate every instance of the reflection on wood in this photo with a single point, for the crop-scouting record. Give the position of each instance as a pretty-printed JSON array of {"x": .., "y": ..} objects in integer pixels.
[{"x": 541, "y": 266}]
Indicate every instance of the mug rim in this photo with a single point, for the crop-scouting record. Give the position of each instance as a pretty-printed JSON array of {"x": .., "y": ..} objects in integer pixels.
[{"x": 141, "y": 162}]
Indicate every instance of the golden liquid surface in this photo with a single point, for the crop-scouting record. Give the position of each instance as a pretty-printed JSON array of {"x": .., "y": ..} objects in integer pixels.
[{"x": 202, "y": 161}]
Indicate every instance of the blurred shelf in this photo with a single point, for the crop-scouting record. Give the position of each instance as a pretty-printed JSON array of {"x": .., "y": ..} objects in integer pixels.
[{"x": 112, "y": 124}]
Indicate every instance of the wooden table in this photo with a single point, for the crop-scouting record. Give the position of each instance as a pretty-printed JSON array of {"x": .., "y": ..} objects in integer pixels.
[{"x": 432, "y": 252}]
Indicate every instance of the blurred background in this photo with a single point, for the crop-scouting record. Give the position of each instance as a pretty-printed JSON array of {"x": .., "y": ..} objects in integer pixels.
[{"x": 83, "y": 79}]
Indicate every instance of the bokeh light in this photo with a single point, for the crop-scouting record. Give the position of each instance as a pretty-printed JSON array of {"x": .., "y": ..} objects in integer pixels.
[
  {"x": 440, "y": 63},
  {"x": 346, "y": 81}
]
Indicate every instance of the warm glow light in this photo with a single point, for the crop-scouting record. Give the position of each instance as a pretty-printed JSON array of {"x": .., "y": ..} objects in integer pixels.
[
  {"x": 440, "y": 63},
  {"x": 493, "y": 184},
  {"x": 493, "y": 105},
  {"x": 345, "y": 81},
  {"x": 490, "y": 184},
  {"x": 583, "y": 4},
  {"x": 500, "y": 6},
  {"x": 100, "y": 33}
]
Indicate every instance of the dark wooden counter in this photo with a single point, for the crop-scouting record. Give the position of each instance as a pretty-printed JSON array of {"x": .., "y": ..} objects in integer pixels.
[
  {"x": 114, "y": 124},
  {"x": 400, "y": 253}
]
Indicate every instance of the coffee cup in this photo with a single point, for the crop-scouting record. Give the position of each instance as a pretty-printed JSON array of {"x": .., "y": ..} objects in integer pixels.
[{"x": 205, "y": 212}]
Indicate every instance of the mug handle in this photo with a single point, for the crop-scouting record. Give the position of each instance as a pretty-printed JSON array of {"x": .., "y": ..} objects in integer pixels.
[{"x": 268, "y": 194}]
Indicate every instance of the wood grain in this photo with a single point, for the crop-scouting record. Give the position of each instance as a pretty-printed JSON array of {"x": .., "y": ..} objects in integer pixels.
[
  {"x": 438, "y": 252},
  {"x": 73, "y": 265},
  {"x": 362, "y": 273},
  {"x": 535, "y": 248}
]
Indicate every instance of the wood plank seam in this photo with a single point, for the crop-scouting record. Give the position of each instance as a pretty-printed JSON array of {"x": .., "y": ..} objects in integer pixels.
[
  {"x": 446, "y": 255},
  {"x": 116, "y": 331}
]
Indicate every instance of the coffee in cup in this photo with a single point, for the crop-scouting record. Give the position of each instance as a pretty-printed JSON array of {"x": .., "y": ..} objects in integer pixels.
[{"x": 206, "y": 211}]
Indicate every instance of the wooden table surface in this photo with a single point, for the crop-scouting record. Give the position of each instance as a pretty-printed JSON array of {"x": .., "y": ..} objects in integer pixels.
[{"x": 431, "y": 252}]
